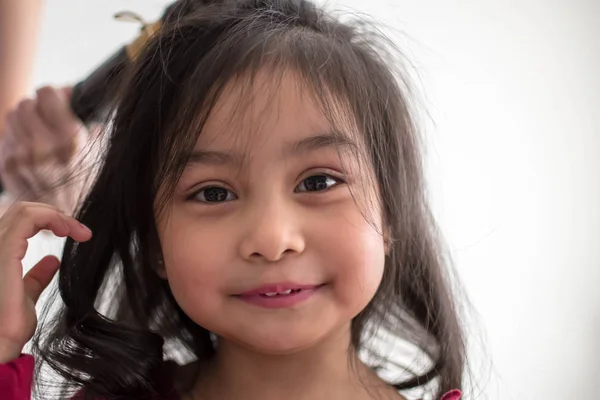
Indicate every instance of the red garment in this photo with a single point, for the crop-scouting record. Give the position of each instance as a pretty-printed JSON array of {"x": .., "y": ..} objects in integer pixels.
[
  {"x": 16, "y": 379},
  {"x": 452, "y": 395}
]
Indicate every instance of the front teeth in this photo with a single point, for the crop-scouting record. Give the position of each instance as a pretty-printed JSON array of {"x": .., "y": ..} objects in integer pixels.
[{"x": 272, "y": 294}]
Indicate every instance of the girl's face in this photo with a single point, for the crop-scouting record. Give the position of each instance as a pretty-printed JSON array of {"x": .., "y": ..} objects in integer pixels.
[{"x": 263, "y": 242}]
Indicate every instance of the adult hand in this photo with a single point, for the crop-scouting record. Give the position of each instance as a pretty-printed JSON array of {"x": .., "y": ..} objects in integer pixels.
[
  {"x": 18, "y": 295},
  {"x": 42, "y": 140}
]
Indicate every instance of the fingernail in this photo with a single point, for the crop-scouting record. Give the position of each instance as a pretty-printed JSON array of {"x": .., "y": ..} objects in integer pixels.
[{"x": 85, "y": 227}]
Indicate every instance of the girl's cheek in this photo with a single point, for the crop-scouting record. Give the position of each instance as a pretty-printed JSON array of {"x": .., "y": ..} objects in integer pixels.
[{"x": 356, "y": 255}]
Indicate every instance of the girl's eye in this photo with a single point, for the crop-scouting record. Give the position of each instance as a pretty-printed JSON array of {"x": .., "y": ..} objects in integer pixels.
[
  {"x": 214, "y": 194},
  {"x": 318, "y": 183}
]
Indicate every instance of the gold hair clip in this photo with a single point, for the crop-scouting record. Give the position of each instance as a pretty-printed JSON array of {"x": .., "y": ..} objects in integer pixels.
[{"x": 148, "y": 29}]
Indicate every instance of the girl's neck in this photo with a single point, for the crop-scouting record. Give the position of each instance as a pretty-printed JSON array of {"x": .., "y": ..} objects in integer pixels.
[{"x": 326, "y": 370}]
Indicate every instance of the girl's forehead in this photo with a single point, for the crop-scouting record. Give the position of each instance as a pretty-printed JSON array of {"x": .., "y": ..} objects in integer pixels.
[{"x": 264, "y": 108}]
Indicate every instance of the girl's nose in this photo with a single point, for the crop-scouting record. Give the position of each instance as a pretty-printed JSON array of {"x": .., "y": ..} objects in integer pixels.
[{"x": 272, "y": 231}]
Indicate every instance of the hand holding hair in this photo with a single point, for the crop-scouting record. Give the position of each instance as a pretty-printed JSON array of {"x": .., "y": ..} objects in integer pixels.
[
  {"x": 18, "y": 295},
  {"x": 39, "y": 149}
]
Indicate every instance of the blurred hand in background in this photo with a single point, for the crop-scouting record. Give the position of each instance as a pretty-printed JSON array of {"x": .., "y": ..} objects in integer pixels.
[{"x": 42, "y": 154}]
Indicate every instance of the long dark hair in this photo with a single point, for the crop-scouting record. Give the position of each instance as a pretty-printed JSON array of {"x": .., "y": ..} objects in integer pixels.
[{"x": 119, "y": 319}]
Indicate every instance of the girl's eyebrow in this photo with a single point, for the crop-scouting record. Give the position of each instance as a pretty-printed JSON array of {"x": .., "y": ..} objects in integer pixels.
[
  {"x": 320, "y": 141},
  {"x": 301, "y": 147}
]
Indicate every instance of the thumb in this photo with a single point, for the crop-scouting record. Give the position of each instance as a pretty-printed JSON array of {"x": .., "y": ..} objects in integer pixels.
[
  {"x": 67, "y": 92},
  {"x": 39, "y": 277}
]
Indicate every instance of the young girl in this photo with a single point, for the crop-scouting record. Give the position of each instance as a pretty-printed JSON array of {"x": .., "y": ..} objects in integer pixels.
[{"x": 260, "y": 218}]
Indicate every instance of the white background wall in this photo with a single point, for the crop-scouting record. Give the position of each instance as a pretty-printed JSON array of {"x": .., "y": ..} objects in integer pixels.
[{"x": 513, "y": 90}]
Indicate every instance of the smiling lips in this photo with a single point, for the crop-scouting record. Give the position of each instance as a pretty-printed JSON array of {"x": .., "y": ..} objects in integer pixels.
[{"x": 279, "y": 295}]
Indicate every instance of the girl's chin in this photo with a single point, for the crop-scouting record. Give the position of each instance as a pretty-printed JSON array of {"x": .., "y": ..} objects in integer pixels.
[{"x": 275, "y": 345}]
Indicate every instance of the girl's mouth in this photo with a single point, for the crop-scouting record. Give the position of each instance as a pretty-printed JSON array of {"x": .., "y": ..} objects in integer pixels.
[{"x": 279, "y": 295}]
